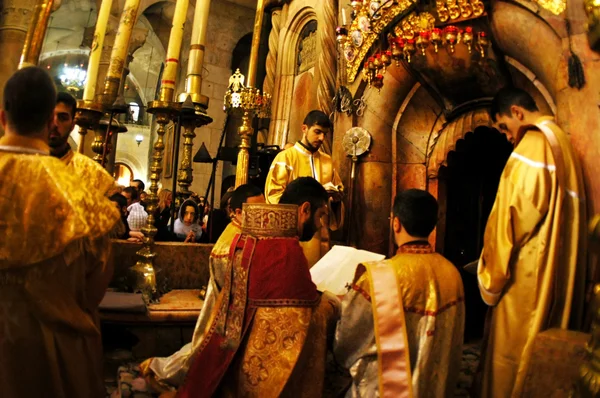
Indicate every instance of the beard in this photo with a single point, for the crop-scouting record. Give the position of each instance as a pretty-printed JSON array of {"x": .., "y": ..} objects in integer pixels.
[
  {"x": 308, "y": 230},
  {"x": 56, "y": 140}
]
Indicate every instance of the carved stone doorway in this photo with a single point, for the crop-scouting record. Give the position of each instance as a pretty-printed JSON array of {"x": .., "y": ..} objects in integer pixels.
[{"x": 468, "y": 185}]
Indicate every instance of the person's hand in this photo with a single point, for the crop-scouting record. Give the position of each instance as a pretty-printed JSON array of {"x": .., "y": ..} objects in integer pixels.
[
  {"x": 191, "y": 237},
  {"x": 136, "y": 236}
]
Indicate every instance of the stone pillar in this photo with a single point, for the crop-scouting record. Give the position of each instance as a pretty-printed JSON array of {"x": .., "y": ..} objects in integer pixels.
[
  {"x": 327, "y": 62},
  {"x": 269, "y": 83},
  {"x": 14, "y": 22}
]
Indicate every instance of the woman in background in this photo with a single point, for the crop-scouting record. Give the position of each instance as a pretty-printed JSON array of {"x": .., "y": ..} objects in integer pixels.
[{"x": 187, "y": 227}]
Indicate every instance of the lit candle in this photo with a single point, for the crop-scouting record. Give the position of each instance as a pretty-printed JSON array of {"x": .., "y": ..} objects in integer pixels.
[
  {"x": 170, "y": 74},
  {"x": 96, "y": 52},
  {"x": 343, "y": 17}
]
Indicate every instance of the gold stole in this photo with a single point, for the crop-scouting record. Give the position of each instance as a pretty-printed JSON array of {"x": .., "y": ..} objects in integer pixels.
[{"x": 395, "y": 379}]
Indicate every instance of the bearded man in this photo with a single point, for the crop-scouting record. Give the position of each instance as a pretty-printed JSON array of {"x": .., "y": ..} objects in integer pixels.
[
  {"x": 165, "y": 373},
  {"x": 304, "y": 159},
  {"x": 267, "y": 335},
  {"x": 82, "y": 166}
]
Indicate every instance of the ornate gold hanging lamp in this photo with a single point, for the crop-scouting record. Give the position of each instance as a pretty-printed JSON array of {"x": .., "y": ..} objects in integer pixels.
[{"x": 248, "y": 100}]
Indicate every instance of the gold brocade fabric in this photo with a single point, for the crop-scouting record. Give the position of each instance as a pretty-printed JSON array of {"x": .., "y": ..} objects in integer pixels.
[
  {"x": 532, "y": 268},
  {"x": 284, "y": 354},
  {"x": 163, "y": 373},
  {"x": 89, "y": 171},
  {"x": 432, "y": 296},
  {"x": 45, "y": 208},
  {"x": 54, "y": 270},
  {"x": 296, "y": 162}
]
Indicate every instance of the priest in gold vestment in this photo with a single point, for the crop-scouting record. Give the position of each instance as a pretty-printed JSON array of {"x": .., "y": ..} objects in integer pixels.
[
  {"x": 267, "y": 335},
  {"x": 532, "y": 268},
  {"x": 305, "y": 160},
  {"x": 86, "y": 169},
  {"x": 164, "y": 374},
  {"x": 401, "y": 328},
  {"x": 54, "y": 250}
]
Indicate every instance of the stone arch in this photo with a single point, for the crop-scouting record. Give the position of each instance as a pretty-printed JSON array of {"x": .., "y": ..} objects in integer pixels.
[{"x": 286, "y": 69}]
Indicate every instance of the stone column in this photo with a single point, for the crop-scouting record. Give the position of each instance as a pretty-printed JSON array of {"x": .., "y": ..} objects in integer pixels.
[
  {"x": 14, "y": 21},
  {"x": 269, "y": 83},
  {"x": 327, "y": 63}
]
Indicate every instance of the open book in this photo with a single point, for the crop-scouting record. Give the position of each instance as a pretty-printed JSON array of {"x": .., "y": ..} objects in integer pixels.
[{"x": 336, "y": 269}]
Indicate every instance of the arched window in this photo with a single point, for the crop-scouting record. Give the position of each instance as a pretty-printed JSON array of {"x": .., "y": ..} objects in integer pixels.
[
  {"x": 123, "y": 174},
  {"x": 134, "y": 112}
]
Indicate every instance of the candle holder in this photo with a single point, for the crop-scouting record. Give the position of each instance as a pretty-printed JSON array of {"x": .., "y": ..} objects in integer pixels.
[
  {"x": 250, "y": 103},
  {"x": 87, "y": 117},
  {"x": 451, "y": 36},
  {"x": 144, "y": 275}
]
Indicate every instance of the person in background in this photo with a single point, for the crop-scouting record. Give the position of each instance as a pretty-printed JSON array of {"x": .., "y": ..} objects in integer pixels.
[
  {"x": 162, "y": 217},
  {"x": 137, "y": 215},
  {"x": 121, "y": 203},
  {"x": 305, "y": 159},
  {"x": 82, "y": 166},
  {"x": 186, "y": 225},
  {"x": 140, "y": 186}
]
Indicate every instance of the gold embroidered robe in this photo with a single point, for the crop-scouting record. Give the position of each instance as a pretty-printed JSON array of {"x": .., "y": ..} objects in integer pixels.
[
  {"x": 86, "y": 169},
  {"x": 54, "y": 270},
  {"x": 296, "y": 162},
  {"x": 163, "y": 373},
  {"x": 429, "y": 290},
  {"x": 267, "y": 335},
  {"x": 532, "y": 268}
]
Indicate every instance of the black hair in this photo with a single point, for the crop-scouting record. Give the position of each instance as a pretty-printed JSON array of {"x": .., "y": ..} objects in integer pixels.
[
  {"x": 140, "y": 185},
  {"x": 135, "y": 195},
  {"x": 68, "y": 100},
  {"x": 317, "y": 118},
  {"x": 509, "y": 96},
  {"x": 241, "y": 195},
  {"x": 305, "y": 189},
  {"x": 29, "y": 100},
  {"x": 417, "y": 211},
  {"x": 119, "y": 199},
  {"x": 197, "y": 209}
]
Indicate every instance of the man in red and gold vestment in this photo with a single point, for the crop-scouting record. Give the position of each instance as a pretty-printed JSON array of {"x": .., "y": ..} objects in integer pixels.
[
  {"x": 86, "y": 169},
  {"x": 402, "y": 323},
  {"x": 267, "y": 335},
  {"x": 54, "y": 265},
  {"x": 532, "y": 268},
  {"x": 165, "y": 373}
]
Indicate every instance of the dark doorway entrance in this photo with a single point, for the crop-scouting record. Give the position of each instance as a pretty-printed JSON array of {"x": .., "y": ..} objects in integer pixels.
[{"x": 471, "y": 181}]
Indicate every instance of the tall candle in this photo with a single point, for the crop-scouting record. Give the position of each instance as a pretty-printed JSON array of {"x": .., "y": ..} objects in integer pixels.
[
  {"x": 193, "y": 81},
  {"x": 343, "y": 17},
  {"x": 170, "y": 73},
  {"x": 253, "y": 63},
  {"x": 96, "y": 52},
  {"x": 118, "y": 56}
]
